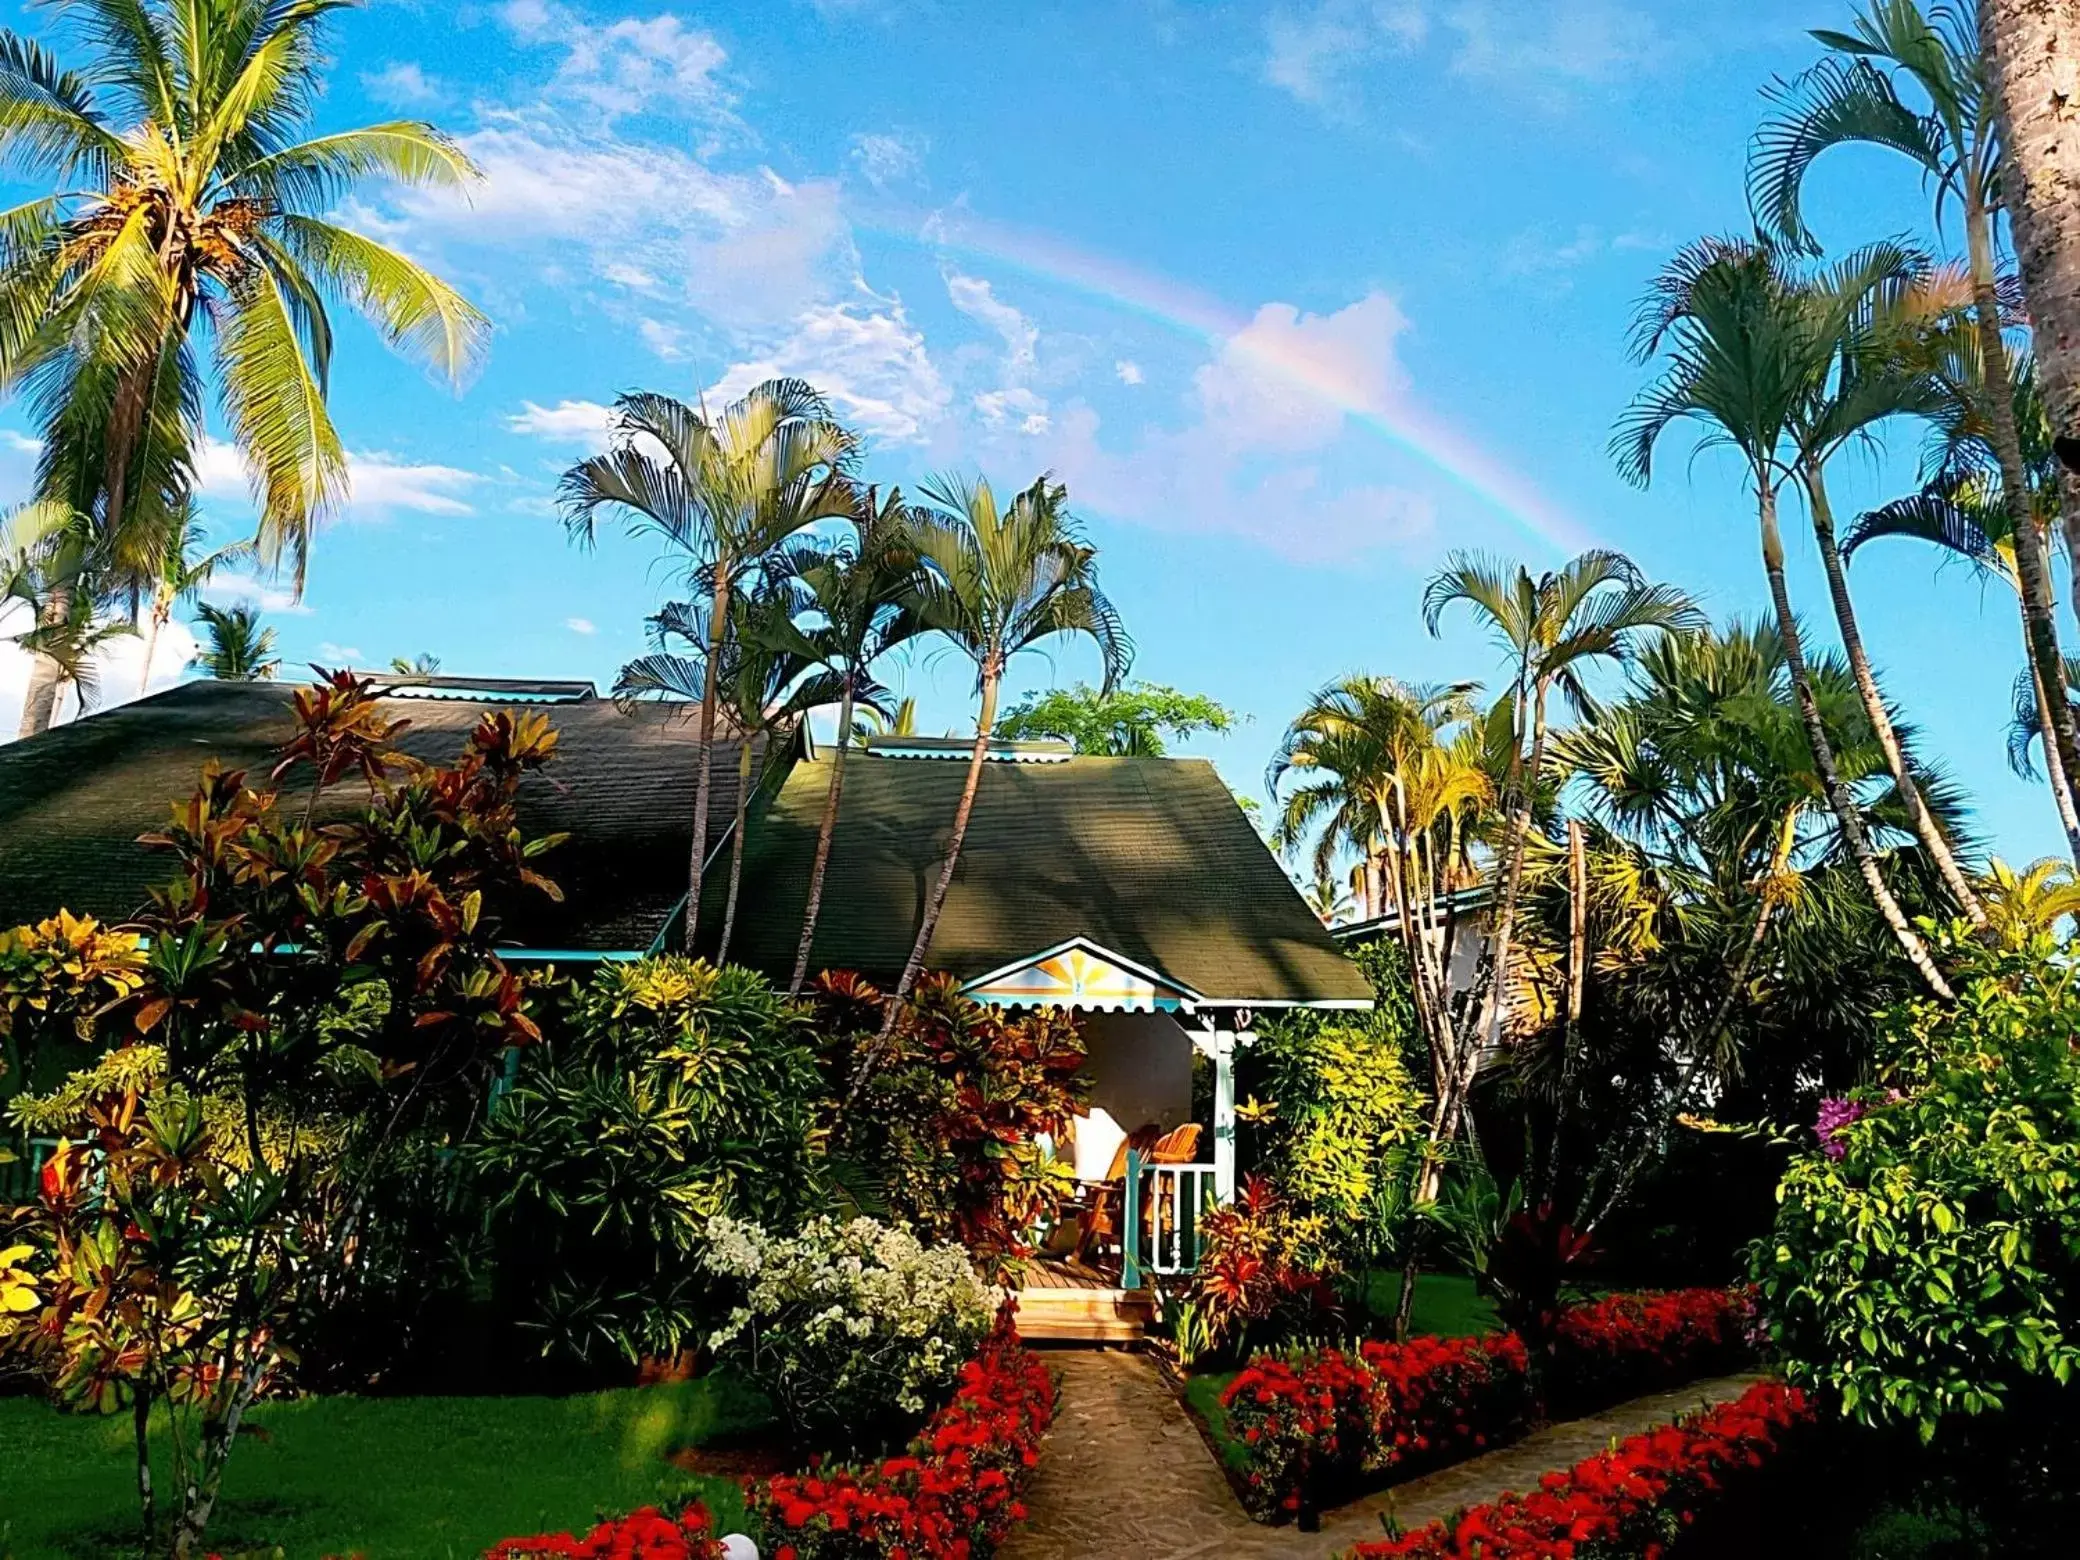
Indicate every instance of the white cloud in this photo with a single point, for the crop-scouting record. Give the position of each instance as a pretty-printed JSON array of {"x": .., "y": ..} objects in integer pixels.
[
  {"x": 1545, "y": 43},
  {"x": 975, "y": 298},
  {"x": 403, "y": 83},
  {"x": 226, "y": 590},
  {"x": 1286, "y": 380},
  {"x": 870, "y": 361},
  {"x": 339, "y": 655},
  {"x": 1538, "y": 252},
  {"x": 668, "y": 341},
  {"x": 634, "y": 65},
  {"x": 888, "y": 158},
  {"x": 118, "y": 667},
  {"x": 1014, "y": 407},
  {"x": 1317, "y": 53},
  {"x": 377, "y": 483},
  {"x": 20, "y": 443},
  {"x": 1128, "y": 370},
  {"x": 578, "y": 625},
  {"x": 567, "y": 422}
]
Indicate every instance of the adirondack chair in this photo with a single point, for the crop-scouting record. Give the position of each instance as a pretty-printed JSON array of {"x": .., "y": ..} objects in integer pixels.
[{"x": 1098, "y": 1216}]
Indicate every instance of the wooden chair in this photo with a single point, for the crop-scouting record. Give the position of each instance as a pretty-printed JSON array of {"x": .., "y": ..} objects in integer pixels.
[{"x": 1098, "y": 1217}]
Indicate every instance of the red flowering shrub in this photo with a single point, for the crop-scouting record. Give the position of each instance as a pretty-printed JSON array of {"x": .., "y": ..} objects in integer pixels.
[
  {"x": 1625, "y": 1503},
  {"x": 1319, "y": 1421},
  {"x": 1624, "y": 1345},
  {"x": 955, "y": 1492},
  {"x": 952, "y": 1495},
  {"x": 641, "y": 1535}
]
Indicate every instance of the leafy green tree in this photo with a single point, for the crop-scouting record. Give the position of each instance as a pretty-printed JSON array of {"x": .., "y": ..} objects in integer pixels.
[
  {"x": 1136, "y": 721},
  {"x": 240, "y": 648},
  {"x": 1859, "y": 95},
  {"x": 998, "y": 580},
  {"x": 1923, "y": 1264},
  {"x": 720, "y": 494},
  {"x": 183, "y": 187},
  {"x": 1749, "y": 343}
]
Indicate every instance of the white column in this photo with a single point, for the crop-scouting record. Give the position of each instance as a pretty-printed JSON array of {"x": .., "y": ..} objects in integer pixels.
[{"x": 1223, "y": 1110}]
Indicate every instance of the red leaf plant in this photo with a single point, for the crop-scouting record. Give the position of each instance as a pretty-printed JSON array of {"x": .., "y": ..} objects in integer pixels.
[{"x": 1624, "y": 1504}]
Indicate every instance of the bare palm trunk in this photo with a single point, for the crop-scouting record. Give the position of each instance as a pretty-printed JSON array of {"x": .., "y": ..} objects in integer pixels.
[
  {"x": 162, "y": 609},
  {"x": 1838, "y": 797},
  {"x": 46, "y": 673},
  {"x": 992, "y": 675},
  {"x": 1926, "y": 829},
  {"x": 736, "y": 849},
  {"x": 825, "y": 833},
  {"x": 2032, "y": 52},
  {"x": 2031, "y": 568},
  {"x": 1577, "y": 926},
  {"x": 2054, "y": 771},
  {"x": 718, "y": 626}
]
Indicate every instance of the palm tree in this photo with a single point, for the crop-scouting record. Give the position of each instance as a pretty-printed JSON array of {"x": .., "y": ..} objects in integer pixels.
[
  {"x": 1853, "y": 96},
  {"x": 1328, "y": 899},
  {"x": 424, "y": 664},
  {"x": 1597, "y": 608},
  {"x": 240, "y": 649},
  {"x": 2030, "y": 53},
  {"x": 183, "y": 187},
  {"x": 2032, "y": 902},
  {"x": 764, "y": 685},
  {"x": 996, "y": 581},
  {"x": 720, "y": 494},
  {"x": 183, "y": 572},
  {"x": 867, "y": 724},
  {"x": 853, "y": 597},
  {"x": 1748, "y": 346}
]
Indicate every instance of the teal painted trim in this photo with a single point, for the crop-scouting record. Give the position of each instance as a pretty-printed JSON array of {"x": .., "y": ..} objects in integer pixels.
[
  {"x": 1130, "y": 1227},
  {"x": 574, "y": 955}
]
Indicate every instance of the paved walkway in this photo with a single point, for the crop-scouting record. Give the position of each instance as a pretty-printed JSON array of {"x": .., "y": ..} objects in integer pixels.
[{"x": 1125, "y": 1472}]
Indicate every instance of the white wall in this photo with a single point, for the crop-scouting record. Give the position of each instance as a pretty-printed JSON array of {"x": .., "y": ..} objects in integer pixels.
[{"x": 1140, "y": 1067}]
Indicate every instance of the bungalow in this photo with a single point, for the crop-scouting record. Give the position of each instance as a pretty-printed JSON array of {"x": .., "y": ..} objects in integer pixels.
[{"x": 1131, "y": 890}]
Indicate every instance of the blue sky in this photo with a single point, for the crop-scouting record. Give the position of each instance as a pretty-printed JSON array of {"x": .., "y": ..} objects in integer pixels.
[{"x": 1202, "y": 261}]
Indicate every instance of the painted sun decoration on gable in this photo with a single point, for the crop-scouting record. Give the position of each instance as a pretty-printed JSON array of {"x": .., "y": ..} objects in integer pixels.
[{"x": 1080, "y": 974}]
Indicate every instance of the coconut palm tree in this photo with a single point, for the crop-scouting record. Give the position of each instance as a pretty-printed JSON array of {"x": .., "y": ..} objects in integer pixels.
[
  {"x": 852, "y": 598},
  {"x": 1854, "y": 96},
  {"x": 183, "y": 186},
  {"x": 240, "y": 649},
  {"x": 184, "y": 570},
  {"x": 1598, "y": 608},
  {"x": 2032, "y": 54},
  {"x": 2032, "y": 902},
  {"x": 764, "y": 685},
  {"x": 1747, "y": 346},
  {"x": 997, "y": 580},
  {"x": 720, "y": 494},
  {"x": 424, "y": 664}
]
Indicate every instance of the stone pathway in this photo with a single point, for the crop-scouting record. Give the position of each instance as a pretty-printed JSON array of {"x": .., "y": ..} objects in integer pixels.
[{"x": 1125, "y": 1473}]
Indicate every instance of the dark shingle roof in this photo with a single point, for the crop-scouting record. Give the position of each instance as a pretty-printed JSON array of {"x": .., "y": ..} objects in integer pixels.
[
  {"x": 1148, "y": 857},
  {"x": 74, "y": 800}
]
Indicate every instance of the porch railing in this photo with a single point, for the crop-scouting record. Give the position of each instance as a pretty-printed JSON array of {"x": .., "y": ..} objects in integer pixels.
[{"x": 1164, "y": 1208}]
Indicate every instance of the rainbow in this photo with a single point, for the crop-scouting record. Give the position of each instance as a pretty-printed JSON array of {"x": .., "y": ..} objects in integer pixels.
[{"x": 1187, "y": 311}]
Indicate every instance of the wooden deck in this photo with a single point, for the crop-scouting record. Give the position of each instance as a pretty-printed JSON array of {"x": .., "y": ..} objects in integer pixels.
[{"x": 1062, "y": 1300}]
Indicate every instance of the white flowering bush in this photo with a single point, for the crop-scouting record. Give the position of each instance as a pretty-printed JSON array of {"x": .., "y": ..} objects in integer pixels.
[{"x": 856, "y": 1330}]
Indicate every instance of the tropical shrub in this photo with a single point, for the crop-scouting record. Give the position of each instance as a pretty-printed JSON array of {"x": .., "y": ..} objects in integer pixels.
[
  {"x": 667, "y": 1092},
  {"x": 1339, "y": 1128},
  {"x": 647, "y": 1534},
  {"x": 1923, "y": 1263},
  {"x": 1260, "y": 1277},
  {"x": 319, "y": 978},
  {"x": 1315, "y": 1422},
  {"x": 1622, "y": 1346},
  {"x": 942, "y": 1134},
  {"x": 854, "y": 1330},
  {"x": 1631, "y": 1501}
]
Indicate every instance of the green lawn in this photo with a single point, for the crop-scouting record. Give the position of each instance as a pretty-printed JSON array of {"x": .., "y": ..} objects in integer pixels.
[
  {"x": 1447, "y": 1306},
  {"x": 387, "y": 1478}
]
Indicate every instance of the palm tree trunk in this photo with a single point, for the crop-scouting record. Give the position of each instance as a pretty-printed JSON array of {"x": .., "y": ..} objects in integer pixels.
[
  {"x": 2032, "y": 53},
  {"x": 1823, "y": 751},
  {"x": 2031, "y": 568},
  {"x": 825, "y": 833},
  {"x": 1926, "y": 829},
  {"x": 736, "y": 848},
  {"x": 718, "y": 626},
  {"x": 992, "y": 676},
  {"x": 46, "y": 673},
  {"x": 162, "y": 609},
  {"x": 2054, "y": 771}
]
